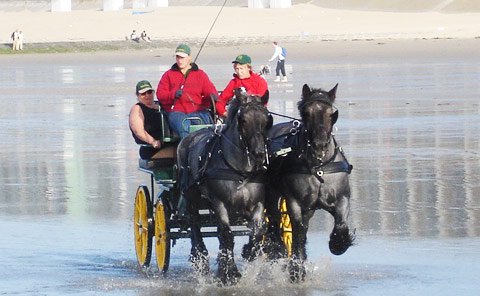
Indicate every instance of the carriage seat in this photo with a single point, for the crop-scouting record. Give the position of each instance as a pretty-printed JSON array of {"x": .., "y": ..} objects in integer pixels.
[
  {"x": 162, "y": 168},
  {"x": 165, "y": 158}
]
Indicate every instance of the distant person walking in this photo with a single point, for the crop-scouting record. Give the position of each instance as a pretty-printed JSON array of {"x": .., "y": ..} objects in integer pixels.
[
  {"x": 15, "y": 40},
  {"x": 20, "y": 40},
  {"x": 279, "y": 54}
]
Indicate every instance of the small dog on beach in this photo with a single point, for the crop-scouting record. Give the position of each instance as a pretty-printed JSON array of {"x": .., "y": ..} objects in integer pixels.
[{"x": 264, "y": 70}]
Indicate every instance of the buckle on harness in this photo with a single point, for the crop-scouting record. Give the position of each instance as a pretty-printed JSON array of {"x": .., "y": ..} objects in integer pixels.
[
  {"x": 218, "y": 128},
  {"x": 283, "y": 151}
]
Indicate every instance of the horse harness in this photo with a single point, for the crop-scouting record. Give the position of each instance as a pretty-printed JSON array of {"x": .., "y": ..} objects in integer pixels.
[
  {"x": 229, "y": 173},
  {"x": 293, "y": 144}
]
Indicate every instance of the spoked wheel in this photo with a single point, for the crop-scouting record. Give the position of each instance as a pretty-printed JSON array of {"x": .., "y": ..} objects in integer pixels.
[
  {"x": 162, "y": 236},
  {"x": 143, "y": 226},
  {"x": 286, "y": 226}
]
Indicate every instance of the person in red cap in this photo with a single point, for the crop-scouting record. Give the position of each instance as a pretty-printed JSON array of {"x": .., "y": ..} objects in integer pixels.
[
  {"x": 243, "y": 77},
  {"x": 185, "y": 91}
]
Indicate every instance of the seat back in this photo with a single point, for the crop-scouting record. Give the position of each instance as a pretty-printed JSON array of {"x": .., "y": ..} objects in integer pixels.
[{"x": 168, "y": 134}]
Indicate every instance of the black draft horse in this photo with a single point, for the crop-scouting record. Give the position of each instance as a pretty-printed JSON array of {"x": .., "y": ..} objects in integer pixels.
[
  {"x": 226, "y": 167},
  {"x": 310, "y": 170}
]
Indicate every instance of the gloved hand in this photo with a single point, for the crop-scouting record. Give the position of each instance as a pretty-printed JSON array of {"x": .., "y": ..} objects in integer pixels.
[
  {"x": 214, "y": 97},
  {"x": 178, "y": 93}
]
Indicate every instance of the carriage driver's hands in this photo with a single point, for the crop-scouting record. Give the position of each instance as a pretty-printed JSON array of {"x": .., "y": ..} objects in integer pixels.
[
  {"x": 178, "y": 93},
  {"x": 157, "y": 144}
]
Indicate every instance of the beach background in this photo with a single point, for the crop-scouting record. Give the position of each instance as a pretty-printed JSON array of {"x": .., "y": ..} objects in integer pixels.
[
  {"x": 190, "y": 20},
  {"x": 408, "y": 99}
]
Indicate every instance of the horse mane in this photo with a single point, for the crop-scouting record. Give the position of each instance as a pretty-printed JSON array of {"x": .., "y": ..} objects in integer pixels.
[
  {"x": 237, "y": 101},
  {"x": 233, "y": 109},
  {"x": 315, "y": 94}
]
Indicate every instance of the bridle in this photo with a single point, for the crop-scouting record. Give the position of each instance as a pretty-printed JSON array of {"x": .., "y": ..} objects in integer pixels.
[
  {"x": 221, "y": 137},
  {"x": 243, "y": 141},
  {"x": 323, "y": 126},
  {"x": 313, "y": 165}
]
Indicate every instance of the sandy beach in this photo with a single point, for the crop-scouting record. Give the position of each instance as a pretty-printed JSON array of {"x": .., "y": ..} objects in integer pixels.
[{"x": 301, "y": 22}]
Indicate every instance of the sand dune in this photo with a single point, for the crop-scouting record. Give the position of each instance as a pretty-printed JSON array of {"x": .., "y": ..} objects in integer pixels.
[
  {"x": 448, "y": 6},
  {"x": 308, "y": 21},
  {"x": 371, "y": 5}
]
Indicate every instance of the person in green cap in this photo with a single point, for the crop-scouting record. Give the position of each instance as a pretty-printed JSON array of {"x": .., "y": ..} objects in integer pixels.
[
  {"x": 243, "y": 77},
  {"x": 185, "y": 91},
  {"x": 145, "y": 123}
]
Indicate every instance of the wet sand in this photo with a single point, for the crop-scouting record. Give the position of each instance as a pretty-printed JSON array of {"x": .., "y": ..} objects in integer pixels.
[{"x": 340, "y": 50}]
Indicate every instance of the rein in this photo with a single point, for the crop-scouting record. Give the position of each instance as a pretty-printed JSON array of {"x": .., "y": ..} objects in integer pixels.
[
  {"x": 299, "y": 131},
  {"x": 329, "y": 166},
  {"x": 284, "y": 116},
  {"x": 231, "y": 173}
]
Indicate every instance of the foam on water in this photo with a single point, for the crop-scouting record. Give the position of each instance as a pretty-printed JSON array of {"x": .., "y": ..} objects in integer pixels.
[{"x": 260, "y": 277}]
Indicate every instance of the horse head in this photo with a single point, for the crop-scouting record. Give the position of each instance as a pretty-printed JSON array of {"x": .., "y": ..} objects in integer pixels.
[
  {"x": 252, "y": 121},
  {"x": 318, "y": 115}
]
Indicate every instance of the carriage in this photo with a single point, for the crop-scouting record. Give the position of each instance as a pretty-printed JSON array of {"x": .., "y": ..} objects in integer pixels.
[
  {"x": 157, "y": 221},
  {"x": 310, "y": 173}
]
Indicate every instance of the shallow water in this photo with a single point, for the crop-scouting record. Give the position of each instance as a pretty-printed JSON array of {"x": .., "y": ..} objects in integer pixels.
[{"x": 69, "y": 174}]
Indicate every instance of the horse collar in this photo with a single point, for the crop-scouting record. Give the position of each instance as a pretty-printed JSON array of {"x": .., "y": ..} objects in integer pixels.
[
  {"x": 302, "y": 138},
  {"x": 314, "y": 165}
]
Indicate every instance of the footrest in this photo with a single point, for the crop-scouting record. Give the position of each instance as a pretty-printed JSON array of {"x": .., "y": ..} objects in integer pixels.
[
  {"x": 156, "y": 163},
  {"x": 196, "y": 127}
]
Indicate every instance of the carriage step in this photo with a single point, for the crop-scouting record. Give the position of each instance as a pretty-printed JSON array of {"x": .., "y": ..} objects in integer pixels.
[
  {"x": 175, "y": 235},
  {"x": 206, "y": 221}
]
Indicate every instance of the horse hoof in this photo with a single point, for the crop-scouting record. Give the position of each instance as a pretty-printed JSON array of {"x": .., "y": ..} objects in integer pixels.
[
  {"x": 249, "y": 252},
  {"x": 230, "y": 279},
  {"x": 246, "y": 252},
  {"x": 200, "y": 266},
  {"x": 340, "y": 242},
  {"x": 199, "y": 260},
  {"x": 275, "y": 251},
  {"x": 297, "y": 271}
]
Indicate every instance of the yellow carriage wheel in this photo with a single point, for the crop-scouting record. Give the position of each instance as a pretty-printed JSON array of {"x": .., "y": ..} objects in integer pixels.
[
  {"x": 286, "y": 226},
  {"x": 143, "y": 230},
  {"x": 162, "y": 236}
]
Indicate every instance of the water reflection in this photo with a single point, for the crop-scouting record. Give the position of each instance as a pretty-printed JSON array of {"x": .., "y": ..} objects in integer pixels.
[
  {"x": 67, "y": 75},
  {"x": 414, "y": 179},
  {"x": 119, "y": 74},
  {"x": 411, "y": 132}
]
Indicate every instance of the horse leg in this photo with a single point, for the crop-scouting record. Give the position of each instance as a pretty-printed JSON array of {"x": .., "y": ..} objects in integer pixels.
[
  {"x": 253, "y": 248},
  {"x": 341, "y": 238},
  {"x": 199, "y": 252},
  {"x": 300, "y": 222},
  {"x": 227, "y": 269}
]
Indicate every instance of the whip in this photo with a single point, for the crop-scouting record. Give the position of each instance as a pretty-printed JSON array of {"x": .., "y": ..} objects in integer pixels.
[{"x": 206, "y": 37}]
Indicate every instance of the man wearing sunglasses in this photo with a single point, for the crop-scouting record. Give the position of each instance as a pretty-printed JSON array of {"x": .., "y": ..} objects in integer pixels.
[{"x": 145, "y": 123}]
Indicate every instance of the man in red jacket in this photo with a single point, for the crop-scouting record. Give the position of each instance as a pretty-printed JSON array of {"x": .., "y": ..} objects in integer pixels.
[
  {"x": 243, "y": 77},
  {"x": 185, "y": 91}
]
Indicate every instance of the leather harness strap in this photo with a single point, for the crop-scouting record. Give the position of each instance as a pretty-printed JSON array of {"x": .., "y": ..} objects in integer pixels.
[{"x": 328, "y": 167}]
